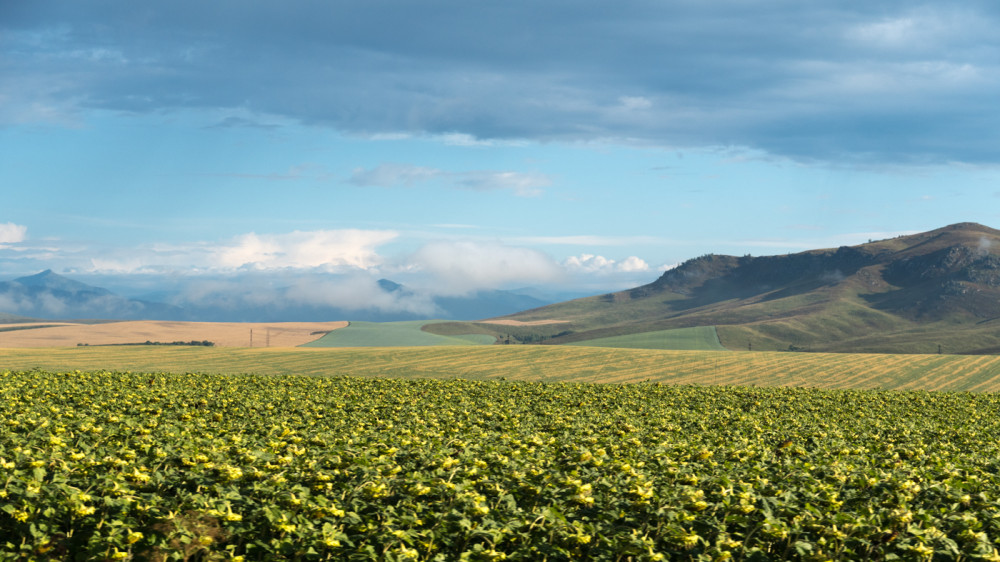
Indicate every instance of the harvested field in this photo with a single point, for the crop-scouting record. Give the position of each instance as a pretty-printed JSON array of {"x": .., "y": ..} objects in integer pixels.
[
  {"x": 222, "y": 334},
  {"x": 541, "y": 363}
]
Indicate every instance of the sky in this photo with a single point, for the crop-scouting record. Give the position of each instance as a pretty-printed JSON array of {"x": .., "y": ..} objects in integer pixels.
[{"x": 454, "y": 146}]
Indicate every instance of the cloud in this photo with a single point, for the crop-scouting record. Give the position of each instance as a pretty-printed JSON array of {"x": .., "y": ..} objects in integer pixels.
[
  {"x": 984, "y": 245},
  {"x": 397, "y": 175},
  {"x": 882, "y": 81},
  {"x": 270, "y": 293},
  {"x": 465, "y": 266},
  {"x": 393, "y": 175},
  {"x": 11, "y": 233},
  {"x": 635, "y": 103},
  {"x": 324, "y": 250},
  {"x": 358, "y": 292},
  {"x": 590, "y": 263},
  {"x": 328, "y": 249}
]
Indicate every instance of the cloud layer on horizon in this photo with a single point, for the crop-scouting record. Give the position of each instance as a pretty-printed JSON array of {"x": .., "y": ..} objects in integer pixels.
[
  {"x": 306, "y": 262},
  {"x": 881, "y": 82}
]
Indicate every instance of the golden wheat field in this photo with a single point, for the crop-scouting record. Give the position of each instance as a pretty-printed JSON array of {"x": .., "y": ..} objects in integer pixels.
[
  {"x": 541, "y": 363},
  {"x": 222, "y": 334}
]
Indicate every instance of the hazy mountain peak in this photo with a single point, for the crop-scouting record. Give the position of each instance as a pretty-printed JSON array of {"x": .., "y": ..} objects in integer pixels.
[{"x": 52, "y": 281}]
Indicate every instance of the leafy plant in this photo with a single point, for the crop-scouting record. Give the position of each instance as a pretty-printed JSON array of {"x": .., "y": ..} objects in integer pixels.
[{"x": 118, "y": 465}]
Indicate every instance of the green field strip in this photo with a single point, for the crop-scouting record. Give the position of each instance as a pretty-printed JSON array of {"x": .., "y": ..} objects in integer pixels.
[
  {"x": 702, "y": 338},
  {"x": 388, "y": 334},
  {"x": 541, "y": 363}
]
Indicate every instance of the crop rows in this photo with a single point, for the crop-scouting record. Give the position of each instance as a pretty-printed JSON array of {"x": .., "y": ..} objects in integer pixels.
[
  {"x": 110, "y": 465},
  {"x": 546, "y": 363}
]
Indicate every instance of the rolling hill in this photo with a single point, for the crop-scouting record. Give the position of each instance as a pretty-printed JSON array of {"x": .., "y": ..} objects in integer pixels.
[{"x": 937, "y": 291}]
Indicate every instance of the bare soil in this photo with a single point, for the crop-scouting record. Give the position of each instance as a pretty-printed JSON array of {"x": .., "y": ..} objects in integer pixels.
[{"x": 222, "y": 334}]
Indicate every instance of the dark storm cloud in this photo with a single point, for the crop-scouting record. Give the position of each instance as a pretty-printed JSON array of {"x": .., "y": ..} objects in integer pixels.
[{"x": 882, "y": 81}]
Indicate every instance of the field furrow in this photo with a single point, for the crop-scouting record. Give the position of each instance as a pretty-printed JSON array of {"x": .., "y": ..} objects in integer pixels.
[{"x": 543, "y": 363}]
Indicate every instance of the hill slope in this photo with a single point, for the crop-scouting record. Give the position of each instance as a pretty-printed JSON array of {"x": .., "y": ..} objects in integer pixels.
[{"x": 907, "y": 294}]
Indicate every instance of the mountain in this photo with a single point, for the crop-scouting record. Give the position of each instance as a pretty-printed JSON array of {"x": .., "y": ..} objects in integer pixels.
[
  {"x": 48, "y": 295},
  {"x": 486, "y": 304},
  {"x": 938, "y": 290}
]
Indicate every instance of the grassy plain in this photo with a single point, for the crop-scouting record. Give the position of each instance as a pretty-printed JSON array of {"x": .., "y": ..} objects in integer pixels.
[
  {"x": 543, "y": 363},
  {"x": 387, "y": 334}
]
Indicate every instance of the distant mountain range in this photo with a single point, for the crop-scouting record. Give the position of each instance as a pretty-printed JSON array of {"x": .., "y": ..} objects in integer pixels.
[
  {"x": 50, "y": 296},
  {"x": 937, "y": 291},
  {"x": 924, "y": 293}
]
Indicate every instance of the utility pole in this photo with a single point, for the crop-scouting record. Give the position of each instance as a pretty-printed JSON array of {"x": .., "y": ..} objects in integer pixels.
[{"x": 251, "y": 337}]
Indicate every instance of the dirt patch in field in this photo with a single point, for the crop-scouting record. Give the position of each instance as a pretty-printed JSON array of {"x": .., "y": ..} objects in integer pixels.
[
  {"x": 222, "y": 334},
  {"x": 520, "y": 323}
]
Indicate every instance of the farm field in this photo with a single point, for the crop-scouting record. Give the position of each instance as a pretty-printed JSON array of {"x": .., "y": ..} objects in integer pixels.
[
  {"x": 979, "y": 373},
  {"x": 118, "y": 466},
  {"x": 388, "y": 334},
  {"x": 697, "y": 338},
  {"x": 222, "y": 334}
]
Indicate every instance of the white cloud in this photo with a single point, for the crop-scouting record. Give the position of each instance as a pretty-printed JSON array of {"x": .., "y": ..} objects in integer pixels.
[
  {"x": 590, "y": 263},
  {"x": 465, "y": 266},
  {"x": 11, "y": 233},
  {"x": 635, "y": 103},
  {"x": 983, "y": 248},
  {"x": 523, "y": 185},
  {"x": 896, "y": 32},
  {"x": 328, "y": 249},
  {"x": 354, "y": 292},
  {"x": 393, "y": 175},
  {"x": 357, "y": 292},
  {"x": 633, "y": 263},
  {"x": 396, "y": 175}
]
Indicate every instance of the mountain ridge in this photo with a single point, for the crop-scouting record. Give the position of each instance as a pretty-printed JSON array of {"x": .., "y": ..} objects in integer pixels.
[{"x": 900, "y": 294}]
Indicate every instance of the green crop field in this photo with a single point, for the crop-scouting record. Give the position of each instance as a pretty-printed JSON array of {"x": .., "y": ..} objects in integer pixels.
[
  {"x": 542, "y": 363},
  {"x": 118, "y": 466},
  {"x": 698, "y": 338},
  {"x": 387, "y": 334}
]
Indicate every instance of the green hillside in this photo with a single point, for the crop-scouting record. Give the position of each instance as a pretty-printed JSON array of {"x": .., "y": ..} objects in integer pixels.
[
  {"x": 938, "y": 290},
  {"x": 702, "y": 338}
]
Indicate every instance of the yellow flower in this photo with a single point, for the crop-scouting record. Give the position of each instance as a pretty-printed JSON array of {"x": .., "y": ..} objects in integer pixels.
[
  {"x": 133, "y": 537},
  {"x": 84, "y": 510}
]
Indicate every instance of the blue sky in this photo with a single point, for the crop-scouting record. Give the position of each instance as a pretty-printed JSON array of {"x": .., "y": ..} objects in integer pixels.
[{"x": 455, "y": 146}]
